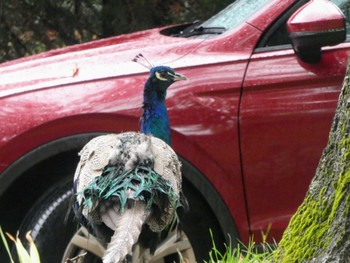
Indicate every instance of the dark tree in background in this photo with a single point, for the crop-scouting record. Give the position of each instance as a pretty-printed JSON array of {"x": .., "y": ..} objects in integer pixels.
[{"x": 33, "y": 26}]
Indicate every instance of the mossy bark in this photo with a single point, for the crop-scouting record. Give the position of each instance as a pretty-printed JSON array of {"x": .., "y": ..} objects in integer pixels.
[{"x": 320, "y": 229}]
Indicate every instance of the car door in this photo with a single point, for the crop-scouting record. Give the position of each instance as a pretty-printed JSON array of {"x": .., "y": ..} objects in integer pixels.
[{"x": 286, "y": 112}]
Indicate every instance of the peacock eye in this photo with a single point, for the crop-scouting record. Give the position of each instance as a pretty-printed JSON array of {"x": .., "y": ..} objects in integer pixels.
[{"x": 163, "y": 74}]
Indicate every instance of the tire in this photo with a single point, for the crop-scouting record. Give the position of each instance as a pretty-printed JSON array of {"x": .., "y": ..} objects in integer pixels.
[
  {"x": 46, "y": 221},
  {"x": 197, "y": 224},
  {"x": 52, "y": 235}
]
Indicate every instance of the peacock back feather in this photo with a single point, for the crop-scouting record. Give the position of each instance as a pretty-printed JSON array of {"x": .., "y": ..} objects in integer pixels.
[{"x": 138, "y": 167}]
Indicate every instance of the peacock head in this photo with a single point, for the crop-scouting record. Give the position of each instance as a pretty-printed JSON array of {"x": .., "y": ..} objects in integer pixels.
[
  {"x": 161, "y": 77},
  {"x": 164, "y": 76}
]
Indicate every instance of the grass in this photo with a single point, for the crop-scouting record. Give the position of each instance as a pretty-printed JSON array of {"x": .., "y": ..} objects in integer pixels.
[
  {"x": 239, "y": 254},
  {"x": 242, "y": 253},
  {"x": 23, "y": 255},
  {"x": 28, "y": 257}
]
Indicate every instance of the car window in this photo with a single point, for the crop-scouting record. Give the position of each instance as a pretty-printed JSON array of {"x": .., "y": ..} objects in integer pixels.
[
  {"x": 230, "y": 17},
  {"x": 278, "y": 35},
  {"x": 235, "y": 14}
]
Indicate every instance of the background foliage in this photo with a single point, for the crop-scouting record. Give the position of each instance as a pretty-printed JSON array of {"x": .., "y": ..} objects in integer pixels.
[{"x": 33, "y": 26}]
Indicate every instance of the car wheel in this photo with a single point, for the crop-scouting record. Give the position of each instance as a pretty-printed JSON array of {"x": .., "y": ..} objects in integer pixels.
[{"x": 58, "y": 240}]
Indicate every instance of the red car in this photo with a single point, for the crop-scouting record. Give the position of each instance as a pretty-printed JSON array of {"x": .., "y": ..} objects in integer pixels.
[{"x": 249, "y": 125}]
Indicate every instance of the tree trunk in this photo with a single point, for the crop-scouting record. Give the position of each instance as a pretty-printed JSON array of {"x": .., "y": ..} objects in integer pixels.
[{"x": 320, "y": 229}]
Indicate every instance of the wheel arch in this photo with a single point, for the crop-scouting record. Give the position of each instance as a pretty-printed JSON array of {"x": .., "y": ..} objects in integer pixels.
[
  {"x": 22, "y": 182},
  {"x": 42, "y": 153},
  {"x": 213, "y": 199}
]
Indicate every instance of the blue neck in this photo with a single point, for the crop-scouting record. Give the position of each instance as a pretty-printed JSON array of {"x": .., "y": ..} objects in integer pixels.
[{"x": 155, "y": 119}]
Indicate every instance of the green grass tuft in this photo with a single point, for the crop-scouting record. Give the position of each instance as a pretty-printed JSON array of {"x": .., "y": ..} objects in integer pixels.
[
  {"x": 23, "y": 255},
  {"x": 241, "y": 253}
]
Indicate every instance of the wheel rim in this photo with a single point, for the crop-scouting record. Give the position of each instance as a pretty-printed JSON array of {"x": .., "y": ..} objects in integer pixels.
[
  {"x": 82, "y": 242},
  {"x": 176, "y": 243}
]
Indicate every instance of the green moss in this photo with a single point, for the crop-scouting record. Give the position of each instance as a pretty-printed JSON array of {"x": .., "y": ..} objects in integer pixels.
[
  {"x": 343, "y": 182},
  {"x": 340, "y": 194},
  {"x": 307, "y": 232}
]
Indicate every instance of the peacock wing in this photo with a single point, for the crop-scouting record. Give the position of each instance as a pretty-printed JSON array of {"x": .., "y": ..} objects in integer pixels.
[
  {"x": 94, "y": 157},
  {"x": 167, "y": 165}
]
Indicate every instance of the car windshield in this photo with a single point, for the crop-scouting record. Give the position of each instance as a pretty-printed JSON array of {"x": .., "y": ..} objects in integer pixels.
[
  {"x": 229, "y": 18},
  {"x": 235, "y": 14}
]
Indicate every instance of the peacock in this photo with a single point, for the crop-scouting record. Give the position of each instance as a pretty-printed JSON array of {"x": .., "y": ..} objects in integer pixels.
[{"x": 131, "y": 182}]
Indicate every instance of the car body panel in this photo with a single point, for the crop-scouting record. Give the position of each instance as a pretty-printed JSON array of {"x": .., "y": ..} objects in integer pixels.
[{"x": 286, "y": 113}]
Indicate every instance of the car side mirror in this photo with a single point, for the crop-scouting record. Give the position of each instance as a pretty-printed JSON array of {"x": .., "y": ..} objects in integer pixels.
[{"x": 316, "y": 24}]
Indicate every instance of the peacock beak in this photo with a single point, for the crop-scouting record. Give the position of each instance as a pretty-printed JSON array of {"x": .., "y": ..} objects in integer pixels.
[{"x": 177, "y": 77}]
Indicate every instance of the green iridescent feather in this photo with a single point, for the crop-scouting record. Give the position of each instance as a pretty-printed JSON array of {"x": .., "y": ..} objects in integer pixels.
[{"x": 114, "y": 183}]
